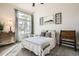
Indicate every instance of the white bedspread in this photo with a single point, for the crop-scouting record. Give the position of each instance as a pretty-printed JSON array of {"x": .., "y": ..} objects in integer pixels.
[
  {"x": 42, "y": 41},
  {"x": 36, "y": 44}
]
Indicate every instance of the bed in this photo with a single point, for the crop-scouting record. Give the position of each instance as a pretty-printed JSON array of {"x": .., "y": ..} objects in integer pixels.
[{"x": 39, "y": 45}]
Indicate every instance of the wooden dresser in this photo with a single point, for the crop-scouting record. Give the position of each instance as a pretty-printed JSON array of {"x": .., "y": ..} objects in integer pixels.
[{"x": 6, "y": 38}]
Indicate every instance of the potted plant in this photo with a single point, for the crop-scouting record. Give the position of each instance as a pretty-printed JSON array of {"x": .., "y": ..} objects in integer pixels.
[{"x": 1, "y": 27}]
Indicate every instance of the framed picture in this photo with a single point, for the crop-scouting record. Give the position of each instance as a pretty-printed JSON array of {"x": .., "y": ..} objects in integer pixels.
[
  {"x": 41, "y": 21},
  {"x": 49, "y": 19},
  {"x": 58, "y": 18}
]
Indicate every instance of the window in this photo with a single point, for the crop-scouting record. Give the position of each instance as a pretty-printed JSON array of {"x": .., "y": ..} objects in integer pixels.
[{"x": 24, "y": 24}]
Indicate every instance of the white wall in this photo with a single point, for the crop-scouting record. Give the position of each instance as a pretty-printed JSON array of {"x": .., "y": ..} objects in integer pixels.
[
  {"x": 70, "y": 17},
  {"x": 7, "y": 17}
]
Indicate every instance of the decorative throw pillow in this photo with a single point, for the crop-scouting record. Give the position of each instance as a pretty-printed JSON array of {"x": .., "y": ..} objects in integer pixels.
[
  {"x": 48, "y": 34},
  {"x": 43, "y": 33}
]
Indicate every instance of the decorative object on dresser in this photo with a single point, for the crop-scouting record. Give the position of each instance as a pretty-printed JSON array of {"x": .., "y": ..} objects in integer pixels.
[
  {"x": 10, "y": 30},
  {"x": 68, "y": 37}
]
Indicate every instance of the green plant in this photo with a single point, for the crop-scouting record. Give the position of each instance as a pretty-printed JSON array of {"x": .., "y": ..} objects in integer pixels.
[{"x": 1, "y": 27}]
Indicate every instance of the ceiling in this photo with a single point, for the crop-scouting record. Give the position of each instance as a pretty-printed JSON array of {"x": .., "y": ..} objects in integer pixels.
[{"x": 29, "y": 8}]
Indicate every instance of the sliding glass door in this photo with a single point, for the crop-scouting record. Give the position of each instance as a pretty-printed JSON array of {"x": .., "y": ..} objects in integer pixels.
[{"x": 24, "y": 24}]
